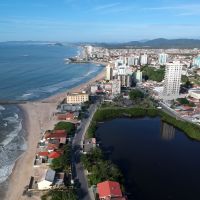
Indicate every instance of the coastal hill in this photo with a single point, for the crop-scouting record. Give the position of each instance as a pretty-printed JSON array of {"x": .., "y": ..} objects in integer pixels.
[{"x": 156, "y": 43}]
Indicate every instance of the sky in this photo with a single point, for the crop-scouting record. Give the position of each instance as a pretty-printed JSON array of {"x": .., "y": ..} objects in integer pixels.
[{"x": 98, "y": 20}]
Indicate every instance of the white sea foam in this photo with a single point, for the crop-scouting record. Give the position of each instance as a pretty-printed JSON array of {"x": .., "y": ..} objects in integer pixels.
[
  {"x": 5, "y": 172},
  {"x": 1, "y": 107},
  {"x": 91, "y": 72},
  {"x": 12, "y": 135},
  {"x": 26, "y": 95}
]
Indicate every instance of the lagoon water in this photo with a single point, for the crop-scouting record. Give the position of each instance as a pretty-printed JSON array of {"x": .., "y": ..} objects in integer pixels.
[
  {"x": 158, "y": 161},
  {"x": 31, "y": 71}
]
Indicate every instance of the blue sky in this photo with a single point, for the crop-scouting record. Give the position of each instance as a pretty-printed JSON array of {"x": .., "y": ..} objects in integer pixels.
[{"x": 98, "y": 20}]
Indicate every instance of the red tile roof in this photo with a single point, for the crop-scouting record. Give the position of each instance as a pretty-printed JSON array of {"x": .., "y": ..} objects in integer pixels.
[
  {"x": 109, "y": 189},
  {"x": 52, "y": 146},
  {"x": 43, "y": 153},
  {"x": 56, "y": 134},
  {"x": 54, "y": 155}
]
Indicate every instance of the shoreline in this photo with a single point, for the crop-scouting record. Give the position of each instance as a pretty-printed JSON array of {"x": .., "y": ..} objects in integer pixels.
[{"x": 37, "y": 119}]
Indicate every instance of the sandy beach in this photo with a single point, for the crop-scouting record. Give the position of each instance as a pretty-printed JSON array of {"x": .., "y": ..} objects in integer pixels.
[{"x": 38, "y": 118}]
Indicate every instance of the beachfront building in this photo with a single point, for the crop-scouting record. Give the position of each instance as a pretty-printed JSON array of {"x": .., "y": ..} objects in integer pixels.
[
  {"x": 77, "y": 98},
  {"x": 109, "y": 73},
  {"x": 162, "y": 58},
  {"x": 46, "y": 182},
  {"x": 172, "y": 80}
]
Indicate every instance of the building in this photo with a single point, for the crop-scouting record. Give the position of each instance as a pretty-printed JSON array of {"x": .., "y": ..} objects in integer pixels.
[
  {"x": 77, "y": 98},
  {"x": 162, "y": 58},
  {"x": 109, "y": 73},
  {"x": 46, "y": 182},
  {"x": 144, "y": 59},
  {"x": 196, "y": 62},
  {"x": 138, "y": 76},
  {"x": 89, "y": 144},
  {"x": 125, "y": 80},
  {"x": 195, "y": 93},
  {"x": 109, "y": 190},
  {"x": 116, "y": 87},
  {"x": 172, "y": 80}
]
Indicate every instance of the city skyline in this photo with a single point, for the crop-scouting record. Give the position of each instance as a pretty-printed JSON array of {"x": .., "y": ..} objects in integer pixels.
[{"x": 98, "y": 21}]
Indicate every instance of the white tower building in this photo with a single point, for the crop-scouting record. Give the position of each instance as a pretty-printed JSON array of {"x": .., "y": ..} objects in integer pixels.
[
  {"x": 144, "y": 59},
  {"x": 172, "y": 80},
  {"x": 138, "y": 76},
  {"x": 162, "y": 58}
]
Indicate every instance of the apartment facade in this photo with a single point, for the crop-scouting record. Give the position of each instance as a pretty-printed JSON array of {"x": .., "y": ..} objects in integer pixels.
[
  {"x": 172, "y": 80},
  {"x": 77, "y": 98}
]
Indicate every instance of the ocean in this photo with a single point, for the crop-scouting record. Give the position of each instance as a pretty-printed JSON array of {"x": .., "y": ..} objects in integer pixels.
[{"x": 32, "y": 71}]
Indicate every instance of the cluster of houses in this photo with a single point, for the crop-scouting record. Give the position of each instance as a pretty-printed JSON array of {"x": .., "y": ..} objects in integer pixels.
[{"x": 49, "y": 148}]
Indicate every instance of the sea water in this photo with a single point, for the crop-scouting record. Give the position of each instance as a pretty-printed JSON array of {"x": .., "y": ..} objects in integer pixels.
[{"x": 31, "y": 71}]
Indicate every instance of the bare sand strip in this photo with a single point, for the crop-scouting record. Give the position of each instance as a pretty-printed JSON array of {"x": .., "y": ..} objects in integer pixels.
[{"x": 38, "y": 118}]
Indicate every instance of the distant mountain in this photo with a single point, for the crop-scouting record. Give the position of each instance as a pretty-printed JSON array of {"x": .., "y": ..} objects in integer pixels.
[{"x": 156, "y": 43}]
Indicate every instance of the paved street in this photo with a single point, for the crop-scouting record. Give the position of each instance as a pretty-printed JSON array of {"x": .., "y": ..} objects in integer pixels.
[{"x": 77, "y": 168}]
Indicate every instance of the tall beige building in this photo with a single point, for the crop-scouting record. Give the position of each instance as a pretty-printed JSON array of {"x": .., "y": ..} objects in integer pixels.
[
  {"x": 109, "y": 73},
  {"x": 77, "y": 98}
]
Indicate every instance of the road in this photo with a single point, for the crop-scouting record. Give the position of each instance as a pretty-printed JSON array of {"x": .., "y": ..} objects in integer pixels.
[
  {"x": 173, "y": 113},
  {"x": 77, "y": 168}
]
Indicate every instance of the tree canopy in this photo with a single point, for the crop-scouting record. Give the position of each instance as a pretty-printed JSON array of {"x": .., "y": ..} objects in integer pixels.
[
  {"x": 136, "y": 94},
  {"x": 153, "y": 74},
  {"x": 69, "y": 127}
]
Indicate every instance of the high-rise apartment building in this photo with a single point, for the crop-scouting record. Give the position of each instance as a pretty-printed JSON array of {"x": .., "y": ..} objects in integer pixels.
[
  {"x": 162, "y": 58},
  {"x": 196, "y": 62},
  {"x": 109, "y": 73},
  {"x": 144, "y": 59},
  {"x": 172, "y": 80}
]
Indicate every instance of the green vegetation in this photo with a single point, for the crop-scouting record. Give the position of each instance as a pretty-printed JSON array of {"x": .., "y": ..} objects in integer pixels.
[
  {"x": 186, "y": 81},
  {"x": 191, "y": 130},
  {"x": 136, "y": 94},
  {"x": 69, "y": 127},
  {"x": 99, "y": 168},
  {"x": 63, "y": 162},
  {"x": 57, "y": 194},
  {"x": 103, "y": 114},
  {"x": 153, "y": 74},
  {"x": 184, "y": 101}
]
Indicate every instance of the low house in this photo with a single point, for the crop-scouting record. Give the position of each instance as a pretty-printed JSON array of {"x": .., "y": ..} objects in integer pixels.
[
  {"x": 67, "y": 116},
  {"x": 47, "y": 180},
  {"x": 60, "y": 135},
  {"x": 89, "y": 144},
  {"x": 69, "y": 108},
  {"x": 54, "y": 155},
  {"x": 59, "y": 179},
  {"x": 110, "y": 190}
]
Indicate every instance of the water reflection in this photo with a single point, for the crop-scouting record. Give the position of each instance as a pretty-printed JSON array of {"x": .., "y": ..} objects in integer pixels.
[{"x": 167, "y": 131}]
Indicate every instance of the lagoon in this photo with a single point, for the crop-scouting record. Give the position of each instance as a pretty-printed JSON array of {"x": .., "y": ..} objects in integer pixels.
[{"x": 159, "y": 162}]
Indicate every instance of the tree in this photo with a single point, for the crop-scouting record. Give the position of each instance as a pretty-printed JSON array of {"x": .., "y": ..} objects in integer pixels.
[
  {"x": 64, "y": 161},
  {"x": 69, "y": 127},
  {"x": 69, "y": 194},
  {"x": 153, "y": 74},
  {"x": 183, "y": 101},
  {"x": 136, "y": 94}
]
